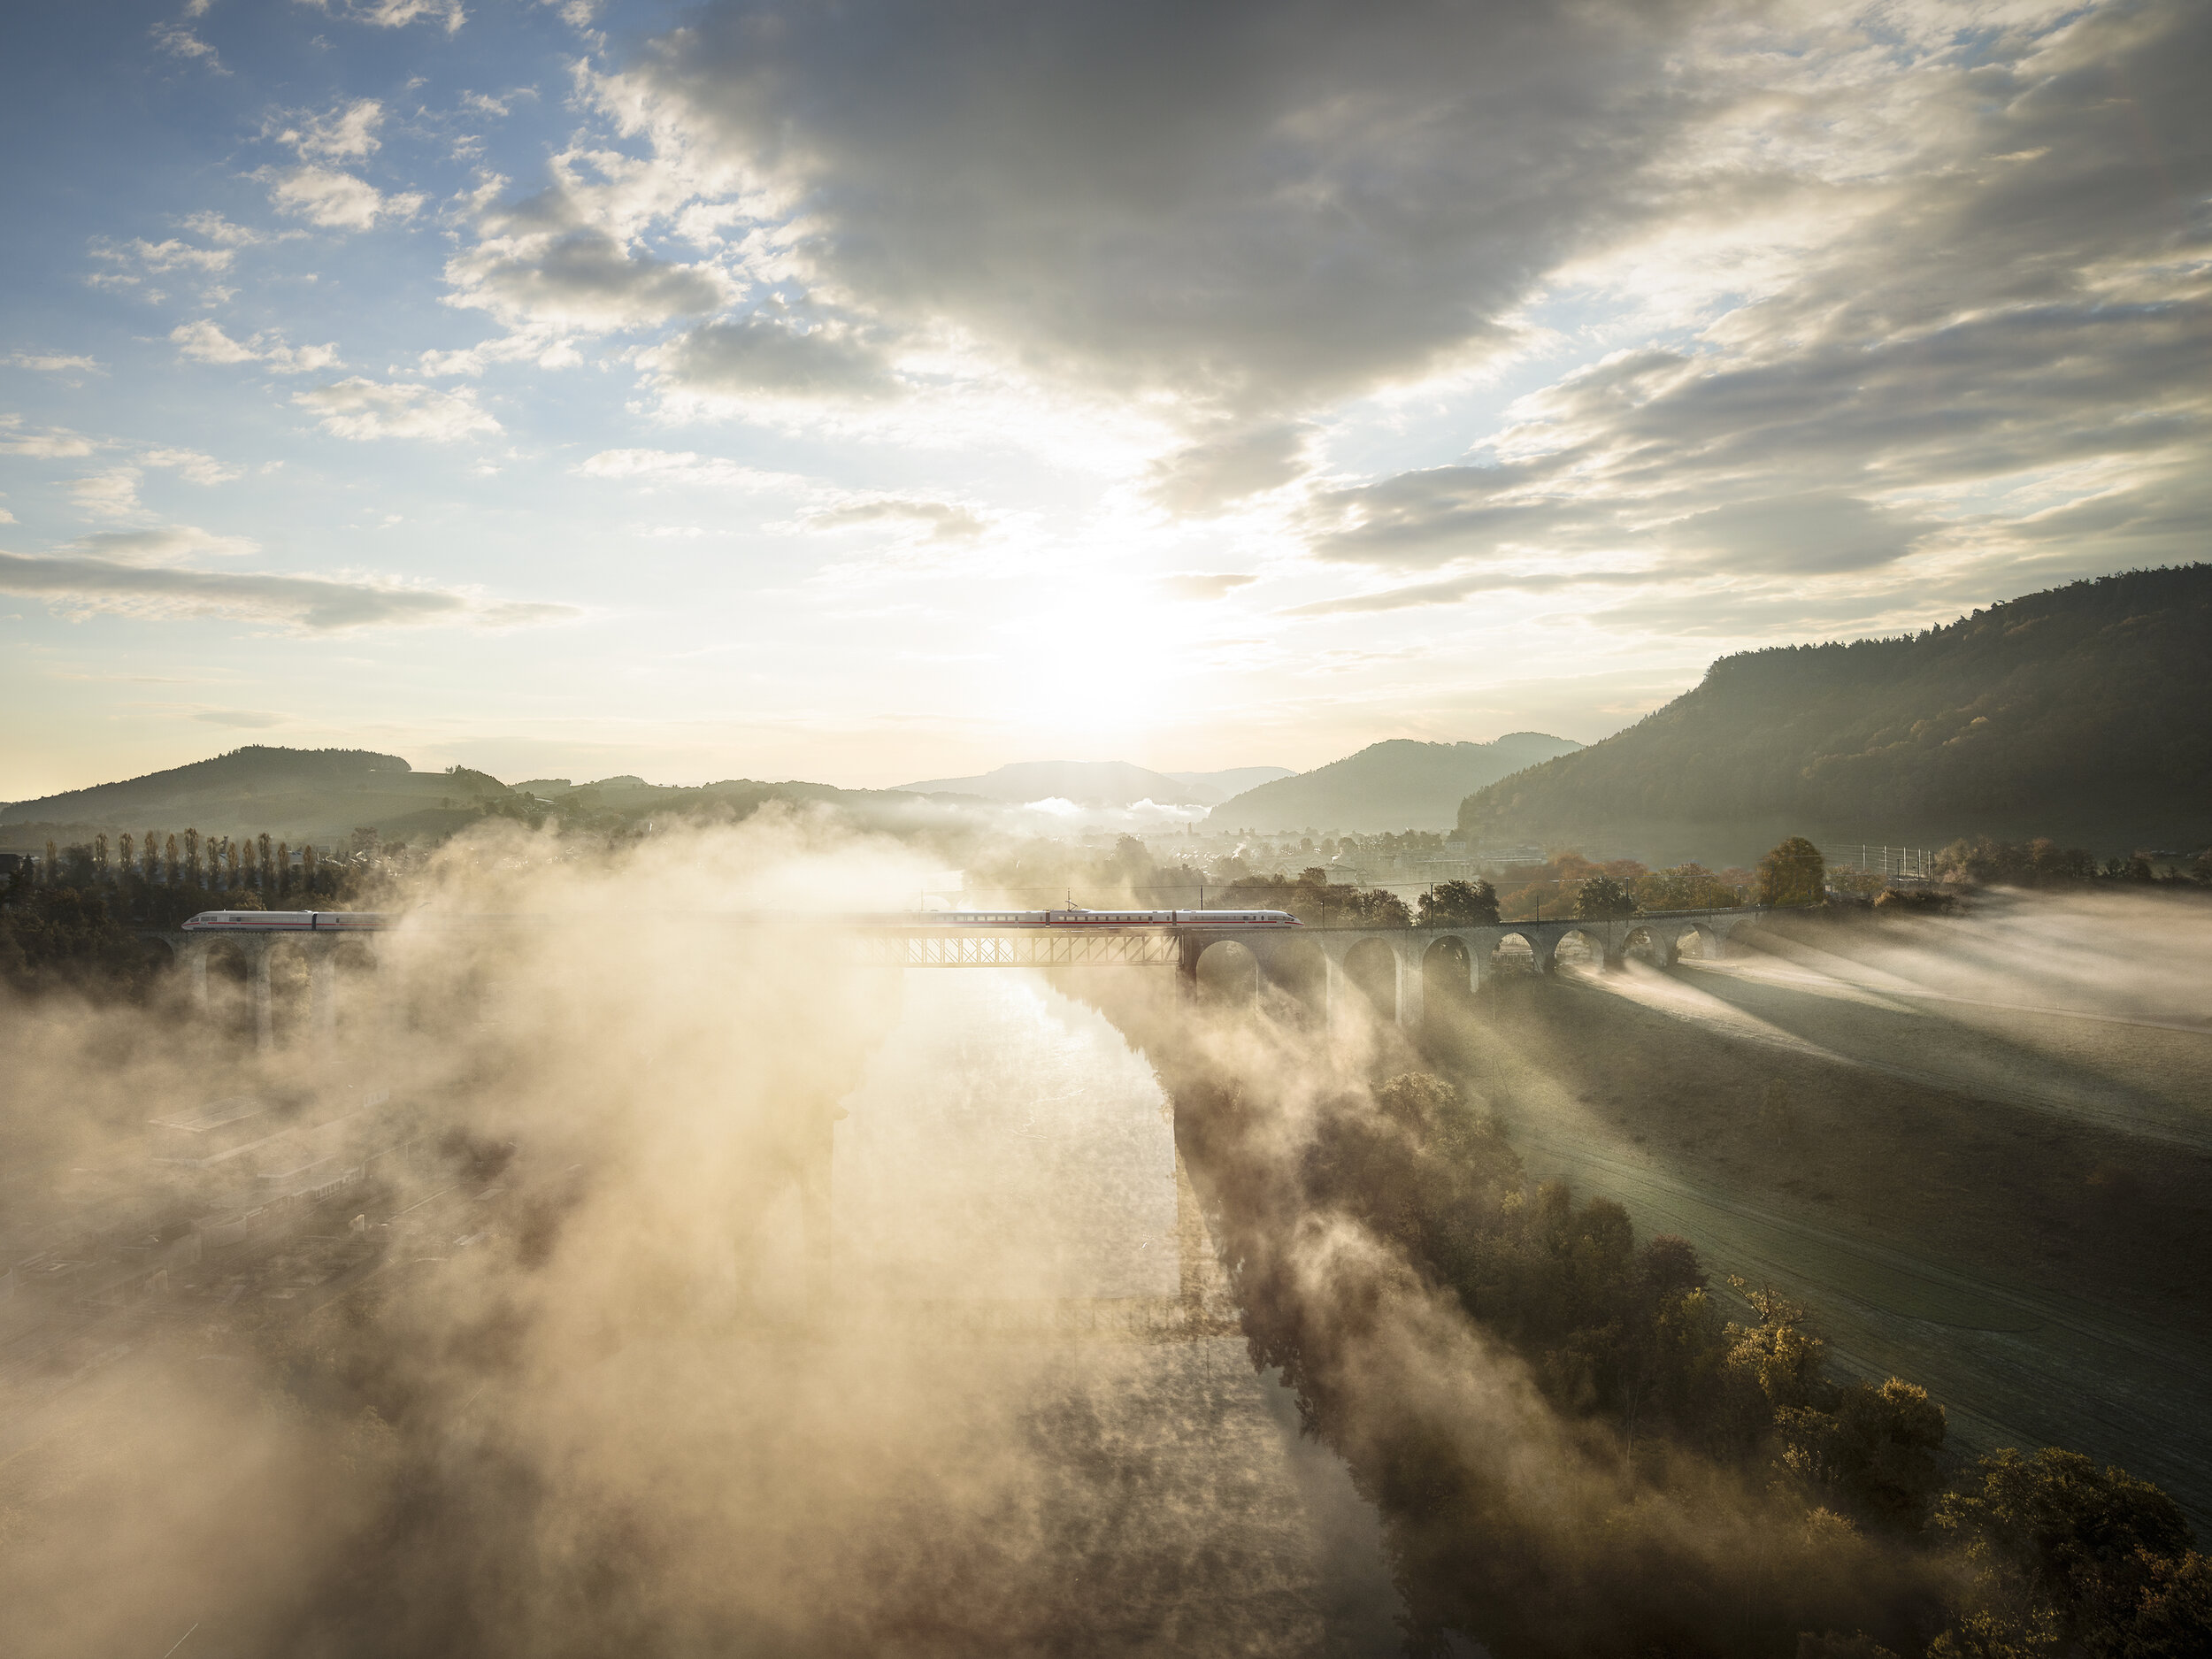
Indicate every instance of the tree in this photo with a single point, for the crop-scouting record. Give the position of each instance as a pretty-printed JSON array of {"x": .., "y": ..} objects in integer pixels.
[
  {"x": 1602, "y": 898},
  {"x": 2070, "y": 1552},
  {"x": 1460, "y": 904},
  {"x": 192, "y": 855},
  {"x": 1794, "y": 873}
]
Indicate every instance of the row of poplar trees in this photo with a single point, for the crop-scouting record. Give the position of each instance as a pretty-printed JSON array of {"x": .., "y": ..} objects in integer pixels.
[{"x": 193, "y": 860}]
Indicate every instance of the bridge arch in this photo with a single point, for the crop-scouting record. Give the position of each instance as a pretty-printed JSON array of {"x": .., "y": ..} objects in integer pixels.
[
  {"x": 1515, "y": 952},
  {"x": 1580, "y": 947},
  {"x": 1293, "y": 974},
  {"x": 1447, "y": 972},
  {"x": 1698, "y": 940},
  {"x": 1227, "y": 971},
  {"x": 1372, "y": 964}
]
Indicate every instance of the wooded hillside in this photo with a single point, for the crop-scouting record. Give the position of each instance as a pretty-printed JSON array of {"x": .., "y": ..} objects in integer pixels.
[
  {"x": 2083, "y": 713},
  {"x": 1397, "y": 784}
]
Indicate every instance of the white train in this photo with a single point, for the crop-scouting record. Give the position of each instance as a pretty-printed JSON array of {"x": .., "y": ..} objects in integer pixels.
[
  {"x": 289, "y": 922},
  {"x": 372, "y": 921},
  {"x": 1098, "y": 918}
]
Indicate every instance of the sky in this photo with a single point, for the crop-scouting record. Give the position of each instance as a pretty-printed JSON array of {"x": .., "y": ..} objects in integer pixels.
[{"x": 864, "y": 393}]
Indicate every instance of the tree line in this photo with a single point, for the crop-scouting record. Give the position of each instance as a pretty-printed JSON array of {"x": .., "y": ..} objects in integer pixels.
[
  {"x": 74, "y": 919},
  {"x": 1856, "y": 1535}
]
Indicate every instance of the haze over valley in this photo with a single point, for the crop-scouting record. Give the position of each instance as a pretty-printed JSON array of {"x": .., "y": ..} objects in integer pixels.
[{"x": 1299, "y": 831}]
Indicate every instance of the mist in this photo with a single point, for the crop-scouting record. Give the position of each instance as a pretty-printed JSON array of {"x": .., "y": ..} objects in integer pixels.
[
  {"x": 635, "y": 1266},
  {"x": 615, "y": 1359}
]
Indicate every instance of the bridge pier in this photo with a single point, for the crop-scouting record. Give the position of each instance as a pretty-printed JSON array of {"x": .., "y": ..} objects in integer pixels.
[
  {"x": 196, "y": 955},
  {"x": 322, "y": 1003},
  {"x": 263, "y": 1012},
  {"x": 1412, "y": 990},
  {"x": 1337, "y": 993}
]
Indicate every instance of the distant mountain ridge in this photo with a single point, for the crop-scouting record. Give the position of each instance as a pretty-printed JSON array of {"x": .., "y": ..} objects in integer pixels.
[
  {"x": 1094, "y": 783},
  {"x": 2082, "y": 713},
  {"x": 322, "y": 795},
  {"x": 255, "y": 768},
  {"x": 1397, "y": 785}
]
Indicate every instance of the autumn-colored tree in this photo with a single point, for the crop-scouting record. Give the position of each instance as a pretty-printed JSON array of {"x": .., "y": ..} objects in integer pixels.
[
  {"x": 2071, "y": 1558},
  {"x": 1794, "y": 873},
  {"x": 1460, "y": 904},
  {"x": 169, "y": 859},
  {"x": 123, "y": 851},
  {"x": 261, "y": 847},
  {"x": 151, "y": 853},
  {"x": 1603, "y": 898},
  {"x": 283, "y": 867},
  {"x": 100, "y": 857},
  {"x": 192, "y": 855}
]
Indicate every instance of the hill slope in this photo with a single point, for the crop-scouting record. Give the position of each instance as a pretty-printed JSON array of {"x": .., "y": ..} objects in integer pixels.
[
  {"x": 321, "y": 796},
  {"x": 253, "y": 770},
  {"x": 1221, "y": 785},
  {"x": 301, "y": 793},
  {"x": 1397, "y": 784},
  {"x": 2083, "y": 713},
  {"x": 1085, "y": 782}
]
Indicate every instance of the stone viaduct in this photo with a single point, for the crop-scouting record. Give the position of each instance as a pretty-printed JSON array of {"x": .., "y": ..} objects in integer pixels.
[
  {"x": 1395, "y": 969},
  {"x": 194, "y": 950}
]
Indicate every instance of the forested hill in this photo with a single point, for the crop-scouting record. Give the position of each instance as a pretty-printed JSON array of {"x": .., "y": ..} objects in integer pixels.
[
  {"x": 255, "y": 769},
  {"x": 2083, "y": 713},
  {"x": 1397, "y": 784}
]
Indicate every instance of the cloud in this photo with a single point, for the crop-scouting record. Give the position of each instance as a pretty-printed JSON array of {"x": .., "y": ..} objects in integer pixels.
[
  {"x": 393, "y": 14},
  {"x": 2001, "y": 350},
  {"x": 1244, "y": 205},
  {"x": 168, "y": 255},
  {"x": 1455, "y": 589},
  {"x": 346, "y": 130},
  {"x": 84, "y": 585},
  {"x": 180, "y": 42},
  {"x": 55, "y": 363},
  {"x": 193, "y": 465},
  {"x": 203, "y": 341},
  {"x": 1202, "y": 585},
  {"x": 47, "y": 443},
  {"x": 686, "y": 468},
  {"x": 363, "y": 409},
  {"x": 109, "y": 494},
  {"x": 946, "y": 521},
  {"x": 1209, "y": 476},
  {"x": 215, "y": 229},
  {"x": 769, "y": 355},
  {"x": 169, "y": 544},
  {"x": 256, "y": 719},
  {"x": 333, "y": 200},
  {"x": 542, "y": 261}
]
